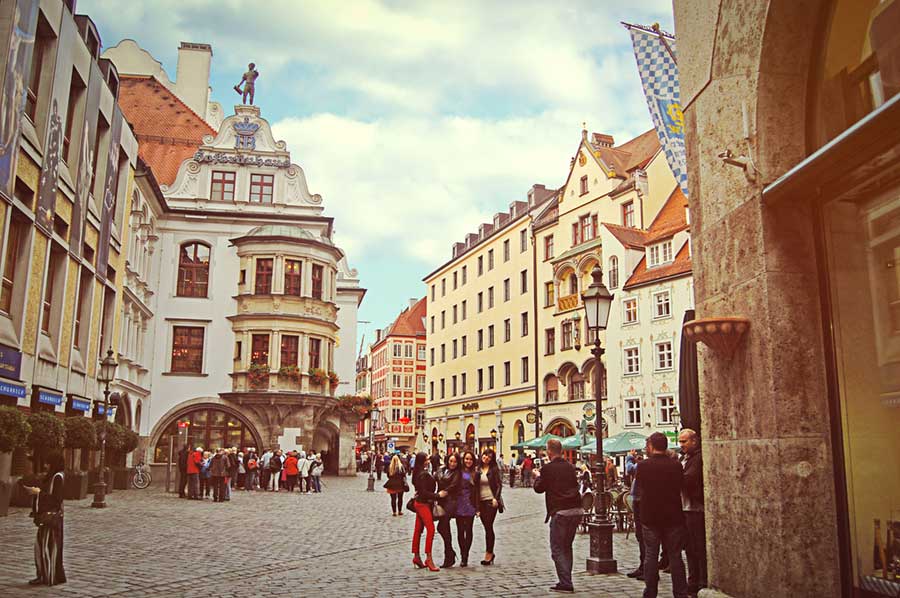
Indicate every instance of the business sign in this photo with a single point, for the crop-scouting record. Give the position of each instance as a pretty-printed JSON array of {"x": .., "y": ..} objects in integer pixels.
[
  {"x": 49, "y": 398},
  {"x": 530, "y": 418},
  {"x": 10, "y": 362},
  {"x": 240, "y": 159},
  {"x": 79, "y": 404},
  {"x": 588, "y": 411},
  {"x": 12, "y": 390},
  {"x": 470, "y": 407}
]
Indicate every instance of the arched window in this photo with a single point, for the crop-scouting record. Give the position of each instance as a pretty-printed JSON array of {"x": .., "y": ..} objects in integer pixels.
[
  {"x": 193, "y": 270},
  {"x": 470, "y": 437},
  {"x": 520, "y": 431},
  {"x": 576, "y": 387},
  {"x": 207, "y": 427},
  {"x": 613, "y": 272},
  {"x": 573, "y": 284},
  {"x": 551, "y": 389},
  {"x": 137, "y": 417}
]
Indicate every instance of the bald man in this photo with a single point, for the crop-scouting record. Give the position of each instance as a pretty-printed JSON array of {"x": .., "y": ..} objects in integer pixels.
[{"x": 692, "y": 505}]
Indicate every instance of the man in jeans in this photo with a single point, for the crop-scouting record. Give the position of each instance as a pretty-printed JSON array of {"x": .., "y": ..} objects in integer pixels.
[
  {"x": 660, "y": 479},
  {"x": 558, "y": 481},
  {"x": 692, "y": 504}
]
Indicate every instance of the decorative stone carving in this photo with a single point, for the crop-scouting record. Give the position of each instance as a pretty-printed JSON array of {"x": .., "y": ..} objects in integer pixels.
[
  {"x": 722, "y": 335},
  {"x": 248, "y": 80}
]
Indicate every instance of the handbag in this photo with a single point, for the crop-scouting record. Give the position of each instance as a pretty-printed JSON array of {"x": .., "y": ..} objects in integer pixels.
[
  {"x": 438, "y": 511},
  {"x": 411, "y": 504},
  {"x": 47, "y": 518}
]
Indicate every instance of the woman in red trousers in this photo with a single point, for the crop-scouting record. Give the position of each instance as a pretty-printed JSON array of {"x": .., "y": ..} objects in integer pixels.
[{"x": 425, "y": 496}]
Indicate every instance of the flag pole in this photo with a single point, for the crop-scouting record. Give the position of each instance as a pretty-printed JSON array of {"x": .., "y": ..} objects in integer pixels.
[{"x": 659, "y": 33}]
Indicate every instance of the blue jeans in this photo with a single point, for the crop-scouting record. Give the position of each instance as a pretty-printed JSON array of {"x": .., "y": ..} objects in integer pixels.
[
  {"x": 562, "y": 534},
  {"x": 672, "y": 540},
  {"x": 317, "y": 483}
]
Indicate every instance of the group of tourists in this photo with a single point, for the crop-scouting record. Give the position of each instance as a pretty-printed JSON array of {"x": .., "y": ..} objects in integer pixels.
[{"x": 203, "y": 474}]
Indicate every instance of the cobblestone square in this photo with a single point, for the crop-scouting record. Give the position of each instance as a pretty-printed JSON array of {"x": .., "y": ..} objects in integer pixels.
[{"x": 343, "y": 542}]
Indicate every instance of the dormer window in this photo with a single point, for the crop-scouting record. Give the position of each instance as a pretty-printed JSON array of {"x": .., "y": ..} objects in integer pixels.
[{"x": 660, "y": 253}]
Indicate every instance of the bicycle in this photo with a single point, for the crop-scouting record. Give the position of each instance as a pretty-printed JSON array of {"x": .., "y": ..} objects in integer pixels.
[{"x": 141, "y": 477}]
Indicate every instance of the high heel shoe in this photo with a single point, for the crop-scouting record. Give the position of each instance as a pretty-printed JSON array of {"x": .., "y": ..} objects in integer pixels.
[
  {"x": 430, "y": 564},
  {"x": 490, "y": 562},
  {"x": 418, "y": 562}
]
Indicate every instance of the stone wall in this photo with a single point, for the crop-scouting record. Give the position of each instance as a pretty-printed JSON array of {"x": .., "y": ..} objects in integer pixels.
[{"x": 771, "y": 519}]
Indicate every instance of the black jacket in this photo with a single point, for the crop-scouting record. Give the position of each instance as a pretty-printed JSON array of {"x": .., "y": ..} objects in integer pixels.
[
  {"x": 660, "y": 478},
  {"x": 494, "y": 480},
  {"x": 425, "y": 488},
  {"x": 692, "y": 490},
  {"x": 396, "y": 482},
  {"x": 558, "y": 483},
  {"x": 449, "y": 480}
]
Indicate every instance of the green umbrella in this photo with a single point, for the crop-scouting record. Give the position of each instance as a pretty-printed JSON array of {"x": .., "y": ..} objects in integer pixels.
[
  {"x": 618, "y": 443},
  {"x": 536, "y": 443},
  {"x": 573, "y": 443}
]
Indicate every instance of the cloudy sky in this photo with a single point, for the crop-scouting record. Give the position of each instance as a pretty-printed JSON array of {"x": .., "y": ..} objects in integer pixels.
[{"x": 417, "y": 120}]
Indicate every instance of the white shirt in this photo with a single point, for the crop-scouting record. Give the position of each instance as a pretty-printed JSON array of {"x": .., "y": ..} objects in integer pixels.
[{"x": 303, "y": 465}]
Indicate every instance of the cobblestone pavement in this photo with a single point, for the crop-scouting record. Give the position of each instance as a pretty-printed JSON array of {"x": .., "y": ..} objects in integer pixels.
[{"x": 343, "y": 542}]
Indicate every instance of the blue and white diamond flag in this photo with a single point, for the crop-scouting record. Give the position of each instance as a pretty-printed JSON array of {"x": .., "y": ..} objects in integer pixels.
[{"x": 659, "y": 76}]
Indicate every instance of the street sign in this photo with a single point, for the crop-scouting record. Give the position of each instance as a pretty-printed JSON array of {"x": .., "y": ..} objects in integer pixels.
[
  {"x": 390, "y": 447},
  {"x": 530, "y": 418},
  {"x": 589, "y": 413}
]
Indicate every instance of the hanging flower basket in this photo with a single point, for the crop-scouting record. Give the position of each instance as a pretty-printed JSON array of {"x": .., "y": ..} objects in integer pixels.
[
  {"x": 291, "y": 373},
  {"x": 353, "y": 405},
  {"x": 258, "y": 375},
  {"x": 318, "y": 375},
  {"x": 334, "y": 379}
]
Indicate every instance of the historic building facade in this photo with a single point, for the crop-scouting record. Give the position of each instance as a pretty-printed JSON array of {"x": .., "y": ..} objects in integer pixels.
[
  {"x": 252, "y": 296},
  {"x": 481, "y": 333},
  {"x": 66, "y": 181},
  {"x": 600, "y": 217},
  {"x": 797, "y": 236},
  {"x": 398, "y": 379}
]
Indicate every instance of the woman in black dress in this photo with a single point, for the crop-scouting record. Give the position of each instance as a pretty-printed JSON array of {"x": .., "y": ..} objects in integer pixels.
[
  {"x": 47, "y": 511},
  {"x": 448, "y": 481}
]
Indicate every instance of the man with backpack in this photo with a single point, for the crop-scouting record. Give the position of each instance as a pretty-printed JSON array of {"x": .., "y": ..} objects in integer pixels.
[{"x": 275, "y": 465}]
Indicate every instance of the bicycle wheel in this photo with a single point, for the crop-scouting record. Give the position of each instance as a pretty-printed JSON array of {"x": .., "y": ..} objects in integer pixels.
[{"x": 140, "y": 480}]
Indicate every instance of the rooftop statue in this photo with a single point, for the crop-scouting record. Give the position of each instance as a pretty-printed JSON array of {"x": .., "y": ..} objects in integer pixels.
[{"x": 249, "y": 82}]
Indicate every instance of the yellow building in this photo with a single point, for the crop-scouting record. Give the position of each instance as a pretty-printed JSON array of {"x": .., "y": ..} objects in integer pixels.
[
  {"x": 66, "y": 181},
  {"x": 481, "y": 334}
]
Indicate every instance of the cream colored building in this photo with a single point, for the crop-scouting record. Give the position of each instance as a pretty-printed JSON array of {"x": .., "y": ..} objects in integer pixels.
[
  {"x": 600, "y": 217},
  {"x": 481, "y": 333}
]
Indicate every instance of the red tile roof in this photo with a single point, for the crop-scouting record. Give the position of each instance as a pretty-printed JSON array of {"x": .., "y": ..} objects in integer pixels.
[
  {"x": 634, "y": 238},
  {"x": 671, "y": 219},
  {"x": 642, "y": 275},
  {"x": 640, "y": 149},
  {"x": 411, "y": 321},
  {"x": 168, "y": 131}
]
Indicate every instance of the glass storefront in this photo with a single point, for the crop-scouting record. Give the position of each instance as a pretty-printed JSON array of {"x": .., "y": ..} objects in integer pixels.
[
  {"x": 862, "y": 242},
  {"x": 207, "y": 427}
]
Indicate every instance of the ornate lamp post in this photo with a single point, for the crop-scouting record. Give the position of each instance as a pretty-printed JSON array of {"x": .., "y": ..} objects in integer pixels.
[
  {"x": 676, "y": 421},
  {"x": 500, "y": 430},
  {"x": 370, "y": 486},
  {"x": 597, "y": 301},
  {"x": 441, "y": 441},
  {"x": 107, "y": 373},
  {"x": 494, "y": 438}
]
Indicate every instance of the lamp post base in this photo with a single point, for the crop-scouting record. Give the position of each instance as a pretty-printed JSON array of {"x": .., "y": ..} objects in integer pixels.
[
  {"x": 370, "y": 487},
  {"x": 601, "y": 559},
  {"x": 99, "y": 496}
]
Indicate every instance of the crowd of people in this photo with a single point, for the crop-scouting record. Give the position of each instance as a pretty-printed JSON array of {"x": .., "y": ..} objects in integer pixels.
[{"x": 214, "y": 474}]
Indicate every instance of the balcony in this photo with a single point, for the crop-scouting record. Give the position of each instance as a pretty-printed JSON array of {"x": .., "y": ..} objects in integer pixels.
[
  {"x": 568, "y": 302},
  {"x": 278, "y": 383},
  {"x": 287, "y": 305}
]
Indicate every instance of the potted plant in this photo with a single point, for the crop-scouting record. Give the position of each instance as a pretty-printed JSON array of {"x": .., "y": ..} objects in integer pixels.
[
  {"x": 14, "y": 431},
  {"x": 318, "y": 375},
  {"x": 258, "y": 375},
  {"x": 125, "y": 442},
  {"x": 334, "y": 379},
  {"x": 290, "y": 373},
  {"x": 353, "y": 406},
  {"x": 80, "y": 435}
]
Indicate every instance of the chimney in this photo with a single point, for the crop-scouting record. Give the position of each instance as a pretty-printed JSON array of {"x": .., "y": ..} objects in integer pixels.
[
  {"x": 471, "y": 240},
  {"x": 458, "y": 249},
  {"x": 500, "y": 219},
  {"x": 192, "y": 76},
  {"x": 517, "y": 208},
  {"x": 603, "y": 140},
  {"x": 538, "y": 194},
  {"x": 485, "y": 229}
]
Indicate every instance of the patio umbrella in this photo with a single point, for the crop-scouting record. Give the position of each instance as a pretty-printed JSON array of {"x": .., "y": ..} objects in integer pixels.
[
  {"x": 573, "y": 443},
  {"x": 688, "y": 383},
  {"x": 536, "y": 443},
  {"x": 618, "y": 443}
]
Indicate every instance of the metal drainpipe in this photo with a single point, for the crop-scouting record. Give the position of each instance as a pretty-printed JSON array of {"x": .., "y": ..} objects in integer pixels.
[{"x": 534, "y": 294}]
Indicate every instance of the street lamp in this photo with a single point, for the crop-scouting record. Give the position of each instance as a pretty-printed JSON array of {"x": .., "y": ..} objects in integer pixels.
[
  {"x": 500, "y": 430},
  {"x": 676, "y": 415},
  {"x": 107, "y": 373},
  {"x": 597, "y": 302},
  {"x": 370, "y": 487}
]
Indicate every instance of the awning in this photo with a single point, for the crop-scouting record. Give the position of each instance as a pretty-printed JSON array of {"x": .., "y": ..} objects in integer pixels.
[
  {"x": 618, "y": 443},
  {"x": 12, "y": 390},
  {"x": 79, "y": 404},
  {"x": 49, "y": 398},
  {"x": 536, "y": 443},
  {"x": 573, "y": 443}
]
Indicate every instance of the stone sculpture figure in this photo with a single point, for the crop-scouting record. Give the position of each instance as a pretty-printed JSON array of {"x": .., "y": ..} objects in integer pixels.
[{"x": 249, "y": 82}]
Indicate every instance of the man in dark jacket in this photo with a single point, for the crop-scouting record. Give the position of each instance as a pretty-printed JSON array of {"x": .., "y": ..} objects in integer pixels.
[
  {"x": 692, "y": 505},
  {"x": 379, "y": 465},
  {"x": 182, "y": 459},
  {"x": 558, "y": 481},
  {"x": 660, "y": 479}
]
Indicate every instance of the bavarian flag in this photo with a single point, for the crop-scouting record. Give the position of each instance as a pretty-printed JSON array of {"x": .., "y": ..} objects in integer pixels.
[{"x": 654, "y": 50}]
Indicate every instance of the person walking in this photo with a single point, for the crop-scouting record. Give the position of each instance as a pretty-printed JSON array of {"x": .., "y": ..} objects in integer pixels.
[
  {"x": 425, "y": 496},
  {"x": 315, "y": 473},
  {"x": 558, "y": 482},
  {"x": 379, "y": 466},
  {"x": 181, "y": 459},
  {"x": 291, "y": 471},
  {"x": 218, "y": 469},
  {"x": 466, "y": 506},
  {"x": 512, "y": 470},
  {"x": 275, "y": 465},
  {"x": 205, "y": 475},
  {"x": 693, "y": 507},
  {"x": 194, "y": 460},
  {"x": 527, "y": 470},
  {"x": 47, "y": 511},
  {"x": 305, "y": 464},
  {"x": 660, "y": 479},
  {"x": 488, "y": 488},
  {"x": 396, "y": 485},
  {"x": 448, "y": 481}
]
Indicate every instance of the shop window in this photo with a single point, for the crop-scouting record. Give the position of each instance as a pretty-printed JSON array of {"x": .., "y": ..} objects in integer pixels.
[
  {"x": 193, "y": 270},
  {"x": 209, "y": 428}
]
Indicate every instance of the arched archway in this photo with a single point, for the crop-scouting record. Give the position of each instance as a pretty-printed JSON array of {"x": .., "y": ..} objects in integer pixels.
[
  {"x": 327, "y": 441},
  {"x": 561, "y": 427},
  {"x": 206, "y": 424}
]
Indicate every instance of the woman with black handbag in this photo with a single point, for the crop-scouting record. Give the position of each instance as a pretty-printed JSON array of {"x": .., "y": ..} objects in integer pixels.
[
  {"x": 445, "y": 509},
  {"x": 47, "y": 511},
  {"x": 422, "y": 504},
  {"x": 488, "y": 488},
  {"x": 396, "y": 485}
]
